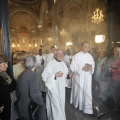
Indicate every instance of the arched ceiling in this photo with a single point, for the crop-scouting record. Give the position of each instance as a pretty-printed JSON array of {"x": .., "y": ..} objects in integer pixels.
[
  {"x": 24, "y": 13},
  {"x": 26, "y": 2},
  {"x": 22, "y": 18}
]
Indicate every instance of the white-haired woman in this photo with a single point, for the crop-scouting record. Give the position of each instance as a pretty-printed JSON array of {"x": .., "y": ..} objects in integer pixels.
[
  {"x": 28, "y": 89},
  {"x": 115, "y": 71}
]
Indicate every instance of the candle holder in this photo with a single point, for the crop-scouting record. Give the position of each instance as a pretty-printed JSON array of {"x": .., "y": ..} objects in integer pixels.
[{"x": 41, "y": 44}]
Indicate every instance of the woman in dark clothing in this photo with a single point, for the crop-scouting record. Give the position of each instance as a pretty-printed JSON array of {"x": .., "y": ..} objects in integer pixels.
[
  {"x": 7, "y": 85},
  {"x": 28, "y": 89}
]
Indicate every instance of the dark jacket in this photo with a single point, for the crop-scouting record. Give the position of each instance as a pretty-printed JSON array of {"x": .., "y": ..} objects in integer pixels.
[
  {"x": 28, "y": 89},
  {"x": 5, "y": 98}
]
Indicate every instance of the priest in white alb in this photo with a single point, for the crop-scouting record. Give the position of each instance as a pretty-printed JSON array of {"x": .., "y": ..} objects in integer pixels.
[
  {"x": 40, "y": 61},
  {"x": 50, "y": 55},
  {"x": 54, "y": 76},
  {"x": 83, "y": 67},
  {"x": 67, "y": 59}
]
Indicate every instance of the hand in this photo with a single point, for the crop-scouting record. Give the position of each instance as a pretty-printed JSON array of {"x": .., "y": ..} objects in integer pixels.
[
  {"x": 59, "y": 74},
  {"x": 1, "y": 109},
  {"x": 110, "y": 69},
  {"x": 90, "y": 68},
  {"x": 71, "y": 74},
  {"x": 86, "y": 68}
]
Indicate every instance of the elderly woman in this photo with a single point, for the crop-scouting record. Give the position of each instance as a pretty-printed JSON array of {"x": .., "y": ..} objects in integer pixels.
[
  {"x": 115, "y": 71},
  {"x": 28, "y": 89},
  {"x": 7, "y": 85}
]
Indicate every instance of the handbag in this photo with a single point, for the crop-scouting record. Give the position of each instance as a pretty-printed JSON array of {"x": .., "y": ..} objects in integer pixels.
[{"x": 33, "y": 109}]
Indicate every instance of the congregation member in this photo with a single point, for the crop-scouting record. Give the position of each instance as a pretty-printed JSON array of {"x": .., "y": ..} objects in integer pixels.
[
  {"x": 102, "y": 75},
  {"x": 18, "y": 68},
  {"x": 7, "y": 86},
  {"x": 54, "y": 76},
  {"x": 14, "y": 54},
  {"x": 28, "y": 90},
  {"x": 83, "y": 67},
  {"x": 115, "y": 82}
]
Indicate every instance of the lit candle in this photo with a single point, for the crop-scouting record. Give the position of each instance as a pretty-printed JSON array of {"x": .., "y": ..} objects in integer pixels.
[{"x": 41, "y": 41}]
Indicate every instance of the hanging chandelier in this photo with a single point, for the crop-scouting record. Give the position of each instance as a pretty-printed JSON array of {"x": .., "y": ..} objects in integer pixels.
[
  {"x": 98, "y": 16},
  {"x": 63, "y": 32}
]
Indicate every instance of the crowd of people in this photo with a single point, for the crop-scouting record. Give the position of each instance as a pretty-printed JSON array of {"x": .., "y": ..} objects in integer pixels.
[{"x": 38, "y": 88}]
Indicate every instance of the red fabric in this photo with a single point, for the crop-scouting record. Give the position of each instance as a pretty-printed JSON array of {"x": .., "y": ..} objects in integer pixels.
[{"x": 116, "y": 72}]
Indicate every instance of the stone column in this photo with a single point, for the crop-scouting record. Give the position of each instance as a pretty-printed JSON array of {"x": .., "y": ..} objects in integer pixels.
[
  {"x": 5, "y": 33},
  {"x": 110, "y": 25}
]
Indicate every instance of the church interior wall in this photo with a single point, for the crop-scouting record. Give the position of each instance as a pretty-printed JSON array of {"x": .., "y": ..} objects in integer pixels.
[{"x": 74, "y": 16}]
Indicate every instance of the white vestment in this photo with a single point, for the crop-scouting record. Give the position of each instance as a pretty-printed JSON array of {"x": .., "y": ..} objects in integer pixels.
[
  {"x": 49, "y": 57},
  {"x": 39, "y": 59},
  {"x": 55, "y": 94},
  {"x": 81, "y": 94},
  {"x": 67, "y": 59},
  {"x": 39, "y": 70}
]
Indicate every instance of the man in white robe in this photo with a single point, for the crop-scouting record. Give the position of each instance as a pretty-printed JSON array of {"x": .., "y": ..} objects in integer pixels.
[
  {"x": 83, "y": 67},
  {"x": 50, "y": 55},
  {"x": 54, "y": 76},
  {"x": 67, "y": 59},
  {"x": 40, "y": 61}
]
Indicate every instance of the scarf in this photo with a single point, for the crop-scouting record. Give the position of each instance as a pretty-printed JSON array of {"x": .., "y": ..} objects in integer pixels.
[{"x": 6, "y": 77}]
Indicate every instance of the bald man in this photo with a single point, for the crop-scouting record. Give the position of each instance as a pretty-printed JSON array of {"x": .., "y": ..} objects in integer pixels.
[{"x": 54, "y": 76}]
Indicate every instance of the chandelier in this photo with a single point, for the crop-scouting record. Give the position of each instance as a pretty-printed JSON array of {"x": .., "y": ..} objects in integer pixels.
[
  {"x": 98, "y": 16},
  {"x": 63, "y": 32}
]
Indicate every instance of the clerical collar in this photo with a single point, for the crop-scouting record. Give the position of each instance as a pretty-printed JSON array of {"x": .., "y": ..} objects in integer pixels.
[{"x": 57, "y": 60}]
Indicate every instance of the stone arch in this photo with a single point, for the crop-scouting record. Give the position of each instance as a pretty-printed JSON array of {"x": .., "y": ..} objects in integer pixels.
[
  {"x": 26, "y": 2},
  {"x": 27, "y": 10},
  {"x": 23, "y": 27},
  {"x": 28, "y": 15},
  {"x": 72, "y": 17}
]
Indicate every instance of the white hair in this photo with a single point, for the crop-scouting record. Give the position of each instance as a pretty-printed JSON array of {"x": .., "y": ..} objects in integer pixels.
[
  {"x": 118, "y": 48},
  {"x": 30, "y": 61},
  {"x": 56, "y": 50}
]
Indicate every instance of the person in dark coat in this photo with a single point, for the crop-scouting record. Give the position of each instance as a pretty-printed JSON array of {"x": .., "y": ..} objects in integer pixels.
[
  {"x": 28, "y": 89},
  {"x": 7, "y": 85}
]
